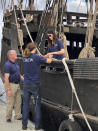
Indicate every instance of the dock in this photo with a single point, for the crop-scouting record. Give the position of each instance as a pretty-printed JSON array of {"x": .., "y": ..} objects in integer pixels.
[{"x": 15, "y": 125}]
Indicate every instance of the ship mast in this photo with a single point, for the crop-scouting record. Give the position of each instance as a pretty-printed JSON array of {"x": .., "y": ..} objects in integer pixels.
[{"x": 31, "y": 5}]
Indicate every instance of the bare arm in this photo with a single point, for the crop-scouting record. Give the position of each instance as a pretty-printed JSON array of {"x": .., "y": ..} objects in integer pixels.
[
  {"x": 6, "y": 78},
  {"x": 57, "y": 52},
  {"x": 7, "y": 84},
  {"x": 45, "y": 56}
]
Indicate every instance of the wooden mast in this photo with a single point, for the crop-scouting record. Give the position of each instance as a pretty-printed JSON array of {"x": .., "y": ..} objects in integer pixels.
[{"x": 31, "y": 5}]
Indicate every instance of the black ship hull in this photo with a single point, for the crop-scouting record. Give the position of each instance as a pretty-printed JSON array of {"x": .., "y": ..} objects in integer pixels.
[{"x": 58, "y": 101}]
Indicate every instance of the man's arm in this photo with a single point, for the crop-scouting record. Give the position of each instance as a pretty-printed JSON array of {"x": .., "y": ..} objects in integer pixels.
[
  {"x": 62, "y": 51},
  {"x": 7, "y": 84},
  {"x": 6, "y": 78}
]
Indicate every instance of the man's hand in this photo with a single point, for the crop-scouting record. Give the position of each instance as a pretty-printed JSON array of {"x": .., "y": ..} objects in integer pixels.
[
  {"x": 49, "y": 60},
  {"x": 50, "y": 56},
  {"x": 9, "y": 92}
]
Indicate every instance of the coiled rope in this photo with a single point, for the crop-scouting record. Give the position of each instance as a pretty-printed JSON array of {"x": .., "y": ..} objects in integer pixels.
[{"x": 74, "y": 91}]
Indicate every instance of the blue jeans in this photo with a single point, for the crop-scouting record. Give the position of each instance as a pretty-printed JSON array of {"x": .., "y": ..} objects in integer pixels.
[{"x": 32, "y": 89}]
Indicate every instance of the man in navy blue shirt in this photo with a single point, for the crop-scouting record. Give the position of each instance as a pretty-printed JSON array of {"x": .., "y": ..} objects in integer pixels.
[
  {"x": 32, "y": 63},
  {"x": 12, "y": 78}
]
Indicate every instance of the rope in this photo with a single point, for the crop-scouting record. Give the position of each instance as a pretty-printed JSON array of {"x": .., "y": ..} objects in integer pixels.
[
  {"x": 61, "y": 17},
  {"x": 27, "y": 28},
  {"x": 42, "y": 21},
  {"x": 26, "y": 25},
  {"x": 54, "y": 18},
  {"x": 61, "y": 32},
  {"x": 17, "y": 25},
  {"x": 41, "y": 35},
  {"x": 88, "y": 50},
  {"x": 72, "y": 102},
  {"x": 74, "y": 90},
  {"x": 90, "y": 38},
  {"x": 88, "y": 31}
]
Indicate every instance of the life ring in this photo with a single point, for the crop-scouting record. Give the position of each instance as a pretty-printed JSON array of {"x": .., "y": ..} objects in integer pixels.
[{"x": 68, "y": 125}]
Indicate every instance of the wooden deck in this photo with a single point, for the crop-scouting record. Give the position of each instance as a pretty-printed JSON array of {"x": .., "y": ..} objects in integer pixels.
[{"x": 15, "y": 125}]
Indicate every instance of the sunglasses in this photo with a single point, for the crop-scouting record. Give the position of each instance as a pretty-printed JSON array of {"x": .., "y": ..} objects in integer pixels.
[{"x": 49, "y": 35}]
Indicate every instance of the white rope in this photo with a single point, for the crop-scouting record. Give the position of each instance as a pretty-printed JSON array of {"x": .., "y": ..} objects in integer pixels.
[
  {"x": 74, "y": 90},
  {"x": 27, "y": 27},
  {"x": 17, "y": 25}
]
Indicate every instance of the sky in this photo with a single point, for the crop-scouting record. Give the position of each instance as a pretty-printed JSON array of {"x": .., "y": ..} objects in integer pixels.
[
  {"x": 73, "y": 5},
  {"x": 77, "y": 6}
]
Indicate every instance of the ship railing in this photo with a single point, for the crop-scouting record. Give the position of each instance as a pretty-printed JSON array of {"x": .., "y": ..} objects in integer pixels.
[
  {"x": 69, "y": 18},
  {"x": 57, "y": 67}
]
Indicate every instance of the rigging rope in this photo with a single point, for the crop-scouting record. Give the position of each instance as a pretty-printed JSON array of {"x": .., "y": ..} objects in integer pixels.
[
  {"x": 90, "y": 37},
  {"x": 74, "y": 90},
  {"x": 54, "y": 18},
  {"x": 40, "y": 39},
  {"x": 25, "y": 23},
  {"x": 72, "y": 102},
  {"x": 42, "y": 21},
  {"x": 88, "y": 51},
  {"x": 27, "y": 27},
  {"x": 18, "y": 29},
  {"x": 61, "y": 31},
  {"x": 88, "y": 31}
]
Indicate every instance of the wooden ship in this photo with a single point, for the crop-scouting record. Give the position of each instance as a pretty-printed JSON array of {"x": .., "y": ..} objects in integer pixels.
[{"x": 61, "y": 111}]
